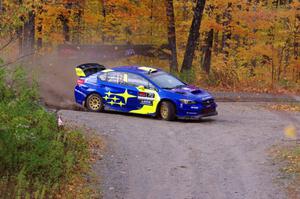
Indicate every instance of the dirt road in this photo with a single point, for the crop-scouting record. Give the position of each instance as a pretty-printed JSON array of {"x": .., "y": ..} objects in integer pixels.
[{"x": 221, "y": 158}]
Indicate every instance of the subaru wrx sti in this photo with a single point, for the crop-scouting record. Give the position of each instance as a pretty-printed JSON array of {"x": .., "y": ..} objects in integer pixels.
[{"x": 141, "y": 90}]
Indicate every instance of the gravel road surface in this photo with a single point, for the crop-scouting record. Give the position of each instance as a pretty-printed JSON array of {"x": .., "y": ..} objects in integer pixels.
[{"x": 225, "y": 157}]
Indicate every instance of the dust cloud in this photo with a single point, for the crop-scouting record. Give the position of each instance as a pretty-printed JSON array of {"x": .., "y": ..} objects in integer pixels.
[
  {"x": 55, "y": 71},
  {"x": 56, "y": 76}
]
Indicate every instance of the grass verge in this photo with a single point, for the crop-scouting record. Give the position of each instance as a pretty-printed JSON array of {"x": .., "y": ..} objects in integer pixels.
[
  {"x": 288, "y": 157},
  {"x": 37, "y": 159}
]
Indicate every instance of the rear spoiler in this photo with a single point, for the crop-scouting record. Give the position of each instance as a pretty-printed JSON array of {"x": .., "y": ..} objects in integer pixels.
[{"x": 85, "y": 70}]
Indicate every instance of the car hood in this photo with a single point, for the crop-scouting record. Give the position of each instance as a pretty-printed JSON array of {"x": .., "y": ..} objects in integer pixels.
[{"x": 192, "y": 92}]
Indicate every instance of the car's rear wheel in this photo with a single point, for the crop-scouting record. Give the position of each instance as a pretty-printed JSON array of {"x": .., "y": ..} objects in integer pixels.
[
  {"x": 94, "y": 103},
  {"x": 167, "y": 111}
]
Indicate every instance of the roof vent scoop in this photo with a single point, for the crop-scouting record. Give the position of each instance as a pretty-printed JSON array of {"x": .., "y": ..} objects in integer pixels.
[
  {"x": 180, "y": 92},
  {"x": 196, "y": 92}
]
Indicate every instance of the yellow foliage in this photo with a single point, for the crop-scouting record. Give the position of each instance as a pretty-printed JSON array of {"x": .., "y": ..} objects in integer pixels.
[{"x": 252, "y": 42}]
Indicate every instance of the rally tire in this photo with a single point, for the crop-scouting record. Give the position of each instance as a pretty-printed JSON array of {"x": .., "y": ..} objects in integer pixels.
[
  {"x": 167, "y": 111},
  {"x": 94, "y": 103}
]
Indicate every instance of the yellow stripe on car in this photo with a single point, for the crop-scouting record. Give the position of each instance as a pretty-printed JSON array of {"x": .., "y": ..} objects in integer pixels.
[{"x": 148, "y": 109}]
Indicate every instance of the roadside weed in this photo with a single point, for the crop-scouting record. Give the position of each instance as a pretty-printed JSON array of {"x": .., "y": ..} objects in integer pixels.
[{"x": 37, "y": 159}]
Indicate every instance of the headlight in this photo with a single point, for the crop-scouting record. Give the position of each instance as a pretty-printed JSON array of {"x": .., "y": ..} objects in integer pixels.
[{"x": 186, "y": 101}]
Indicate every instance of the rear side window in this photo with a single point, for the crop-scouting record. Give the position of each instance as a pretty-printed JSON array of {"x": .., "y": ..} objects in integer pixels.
[{"x": 129, "y": 79}]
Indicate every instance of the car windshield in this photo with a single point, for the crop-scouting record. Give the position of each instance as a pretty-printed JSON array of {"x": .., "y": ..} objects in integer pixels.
[{"x": 166, "y": 81}]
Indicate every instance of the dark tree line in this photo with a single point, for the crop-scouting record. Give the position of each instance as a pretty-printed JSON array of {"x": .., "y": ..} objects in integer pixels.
[{"x": 172, "y": 35}]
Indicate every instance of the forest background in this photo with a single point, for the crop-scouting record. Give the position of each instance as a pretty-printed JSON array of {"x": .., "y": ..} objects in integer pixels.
[{"x": 251, "y": 45}]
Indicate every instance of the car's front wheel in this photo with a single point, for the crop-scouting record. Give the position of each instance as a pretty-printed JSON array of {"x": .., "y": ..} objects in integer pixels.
[
  {"x": 94, "y": 103},
  {"x": 167, "y": 111}
]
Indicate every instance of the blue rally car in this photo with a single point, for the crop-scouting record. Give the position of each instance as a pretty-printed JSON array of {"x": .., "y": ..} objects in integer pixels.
[{"x": 140, "y": 90}]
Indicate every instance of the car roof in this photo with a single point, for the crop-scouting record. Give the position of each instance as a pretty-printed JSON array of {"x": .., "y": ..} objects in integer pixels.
[{"x": 136, "y": 69}]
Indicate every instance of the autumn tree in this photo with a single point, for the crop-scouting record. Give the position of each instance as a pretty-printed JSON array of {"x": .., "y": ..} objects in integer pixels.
[
  {"x": 193, "y": 36},
  {"x": 241, "y": 43},
  {"x": 207, "y": 51},
  {"x": 103, "y": 13},
  {"x": 172, "y": 35},
  {"x": 1, "y": 8}
]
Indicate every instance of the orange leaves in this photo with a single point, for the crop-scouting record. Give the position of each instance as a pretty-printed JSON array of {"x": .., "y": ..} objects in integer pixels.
[
  {"x": 56, "y": 37},
  {"x": 295, "y": 4},
  {"x": 261, "y": 50},
  {"x": 91, "y": 19},
  {"x": 208, "y": 24},
  {"x": 258, "y": 19}
]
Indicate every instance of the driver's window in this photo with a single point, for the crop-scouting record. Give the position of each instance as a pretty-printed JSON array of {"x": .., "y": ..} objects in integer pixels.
[{"x": 136, "y": 80}]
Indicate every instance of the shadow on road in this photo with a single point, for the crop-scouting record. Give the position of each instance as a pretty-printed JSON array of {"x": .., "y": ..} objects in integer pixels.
[{"x": 132, "y": 115}]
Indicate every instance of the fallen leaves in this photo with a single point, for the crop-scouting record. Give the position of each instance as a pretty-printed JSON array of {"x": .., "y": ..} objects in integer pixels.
[
  {"x": 290, "y": 107},
  {"x": 82, "y": 185},
  {"x": 288, "y": 157}
]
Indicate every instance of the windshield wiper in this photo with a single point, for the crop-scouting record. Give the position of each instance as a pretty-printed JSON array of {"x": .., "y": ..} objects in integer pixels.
[
  {"x": 169, "y": 88},
  {"x": 179, "y": 86}
]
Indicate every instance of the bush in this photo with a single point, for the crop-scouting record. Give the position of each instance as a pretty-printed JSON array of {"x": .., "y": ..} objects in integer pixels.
[
  {"x": 188, "y": 76},
  {"x": 36, "y": 158},
  {"x": 223, "y": 75}
]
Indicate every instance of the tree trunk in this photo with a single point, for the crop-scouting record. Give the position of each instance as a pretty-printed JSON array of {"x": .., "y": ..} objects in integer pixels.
[
  {"x": 31, "y": 26},
  {"x": 216, "y": 37},
  {"x": 77, "y": 32},
  {"x": 28, "y": 34},
  {"x": 206, "y": 62},
  {"x": 286, "y": 62},
  {"x": 280, "y": 53},
  {"x": 273, "y": 65},
  {"x": 216, "y": 42},
  {"x": 103, "y": 11},
  {"x": 40, "y": 29},
  {"x": 193, "y": 36},
  {"x": 66, "y": 29},
  {"x": 296, "y": 37},
  {"x": 65, "y": 22},
  {"x": 226, "y": 35},
  {"x": 20, "y": 32},
  {"x": 172, "y": 35},
  {"x": 1, "y": 6},
  {"x": 151, "y": 20},
  {"x": 103, "y": 8}
]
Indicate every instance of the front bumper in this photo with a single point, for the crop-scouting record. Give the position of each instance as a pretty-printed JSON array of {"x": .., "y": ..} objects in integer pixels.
[
  {"x": 196, "y": 111},
  {"x": 197, "y": 117}
]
